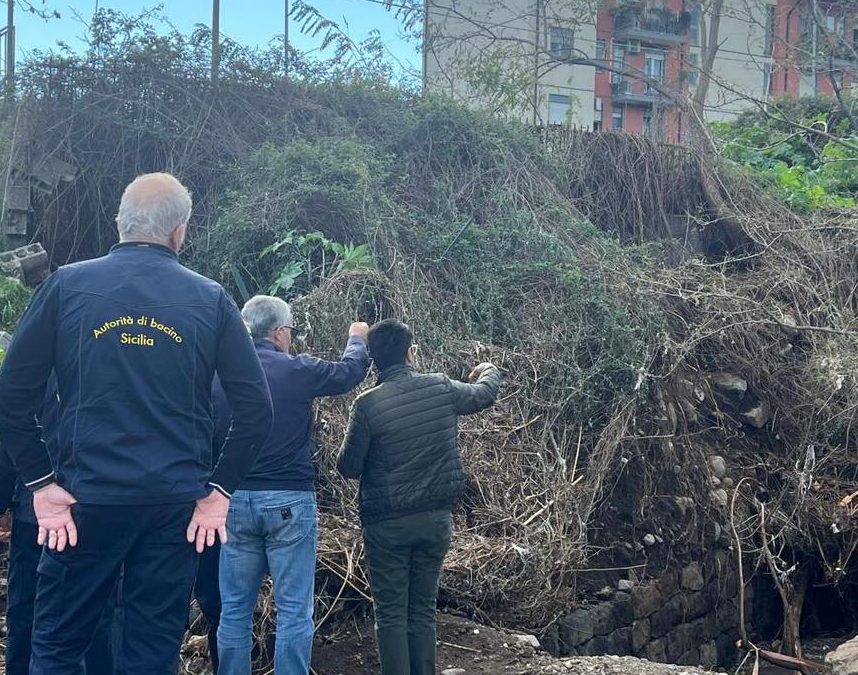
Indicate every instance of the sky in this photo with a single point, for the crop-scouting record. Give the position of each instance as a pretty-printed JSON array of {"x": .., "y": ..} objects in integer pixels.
[{"x": 248, "y": 22}]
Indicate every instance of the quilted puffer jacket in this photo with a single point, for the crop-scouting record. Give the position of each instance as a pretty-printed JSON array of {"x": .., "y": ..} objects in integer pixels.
[{"x": 401, "y": 441}]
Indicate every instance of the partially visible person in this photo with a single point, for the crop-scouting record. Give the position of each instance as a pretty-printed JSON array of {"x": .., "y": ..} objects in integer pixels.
[
  {"x": 401, "y": 443},
  {"x": 207, "y": 583},
  {"x": 24, "y": 555},
  {"x": 272, "y": 518},
  {"x": 135, "y": 339}
]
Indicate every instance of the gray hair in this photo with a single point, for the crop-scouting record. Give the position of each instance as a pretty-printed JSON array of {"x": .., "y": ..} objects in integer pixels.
[
  {"x": 151, "y": 208},
  {"x": 264, "y": 313}
]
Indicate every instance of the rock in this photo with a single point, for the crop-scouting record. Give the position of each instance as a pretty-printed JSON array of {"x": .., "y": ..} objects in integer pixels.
[
  {"x": 646, "y": 601},
  {"x": 715, "y": 481},
  {"x": 625, "y": 585},
  {"x": 709, "y": 655},
  {"x": 757, "y": 416},
  {"x": 640, "y": 635},
  {"x": 692, "y": 578},
  {"x": 620, "y": 642},
  {"x": 528, "y": 640},
  {"x": 621, "y": 610},
  {"x": 668, "y": 584},
  {"x": 720, "y": 497},
  {"x": 604, "y": 620},
  {"x": 5, "y": 340},
  {"x": 668, "y": 617},
  {"x": 649, "y": 540},
  {"x": 844, "y": 659},
  {"x": 728, "y": 482},
  {"x": 576, "y": 628},
  {"x": 454, "y": 671},
  {"x": 655, "y": 651},
  {"x": 685, "y": 504},
  {"x": 727, "y": 384},
  {"x": 718, "y": 466},
  {"x": 605, "y": 593}
]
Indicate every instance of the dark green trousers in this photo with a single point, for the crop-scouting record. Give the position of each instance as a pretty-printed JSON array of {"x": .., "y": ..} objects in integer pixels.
[{"x": 404, "y": 556}]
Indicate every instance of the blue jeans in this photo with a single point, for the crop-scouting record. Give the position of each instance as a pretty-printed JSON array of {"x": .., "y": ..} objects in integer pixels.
[{"x": 271, "y": 531}]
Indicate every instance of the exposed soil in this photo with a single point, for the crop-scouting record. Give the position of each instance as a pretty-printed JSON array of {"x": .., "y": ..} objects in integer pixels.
[{"x": 476, "y": 650}]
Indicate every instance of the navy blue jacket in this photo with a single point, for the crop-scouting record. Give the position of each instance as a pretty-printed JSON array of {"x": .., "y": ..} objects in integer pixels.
[
  {"x": 285, "y": 461},
  {"x": 135, "y": 339}
]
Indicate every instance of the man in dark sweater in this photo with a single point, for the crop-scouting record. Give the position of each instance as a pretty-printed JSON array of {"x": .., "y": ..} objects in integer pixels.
[
  {"x": 401, "y": 443},
  {"x": 135, "y": 339},
  {"x": 272, "y": 517}
]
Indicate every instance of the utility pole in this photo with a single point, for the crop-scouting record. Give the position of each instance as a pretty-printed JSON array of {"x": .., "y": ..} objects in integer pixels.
[
  {"x": 286, "y": 56},
  {"x": 10, "y": 48},
  {"x": 215, "y": 40}
]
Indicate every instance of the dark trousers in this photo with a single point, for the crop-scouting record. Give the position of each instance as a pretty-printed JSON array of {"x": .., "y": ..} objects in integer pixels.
[
  {"x": 207, "y": 593},
  {"x": 404, "y": 556},
  {"x": 24, "y": 554},
  {"x": 146, "y": 543}
]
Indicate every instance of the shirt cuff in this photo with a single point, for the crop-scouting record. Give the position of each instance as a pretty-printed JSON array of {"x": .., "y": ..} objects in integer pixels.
[
  {"x": 221, "y": 489},
  {"x": 44, "y": 481}
]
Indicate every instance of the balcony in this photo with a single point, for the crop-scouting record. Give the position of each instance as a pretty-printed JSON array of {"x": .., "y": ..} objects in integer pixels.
[
  {"x": 844, "y": 56},
  {"x": 633, "y": 92},
  {"x": 655, "y": 26}
]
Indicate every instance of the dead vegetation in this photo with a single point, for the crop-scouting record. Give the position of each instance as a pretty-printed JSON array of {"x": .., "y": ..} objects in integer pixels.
[{"x": 648, "y": 312}]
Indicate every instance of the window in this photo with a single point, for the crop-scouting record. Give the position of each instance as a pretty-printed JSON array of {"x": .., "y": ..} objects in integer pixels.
[
  {"x": 598, "y": 113},
  {"x": 647, "y": 123},
  {"x": 770, "y": 29},
  {"x": 655, "y": 66},
  {"x": 617, "y": 118},
  {"x": 619, "y": 63},
  {"x": 601, "y": 49},
  {"x": 562, "y": 42},
  {"x": 694, "y": 26},
  {"x": 558, "y": 109},
  {"x": 693, "y": 69}
]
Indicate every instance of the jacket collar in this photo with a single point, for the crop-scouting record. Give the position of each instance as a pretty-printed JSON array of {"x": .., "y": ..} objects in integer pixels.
[
  {"x": 155, "y": 249},
  {"x": 265, "y": 344},
  {"x": 395, "y": 372}
]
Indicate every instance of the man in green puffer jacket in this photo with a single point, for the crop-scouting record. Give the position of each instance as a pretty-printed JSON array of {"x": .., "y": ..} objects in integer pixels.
[{"x": 401, "y": 443}]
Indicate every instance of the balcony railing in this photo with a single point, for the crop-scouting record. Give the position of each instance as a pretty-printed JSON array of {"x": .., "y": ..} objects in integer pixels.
[
  {"x": 658, "y": 26},
  {"x": 633, "y": 92}
]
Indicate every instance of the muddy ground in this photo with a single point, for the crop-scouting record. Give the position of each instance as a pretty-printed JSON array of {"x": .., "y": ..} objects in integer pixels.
[{"x": 476, "y": 650}]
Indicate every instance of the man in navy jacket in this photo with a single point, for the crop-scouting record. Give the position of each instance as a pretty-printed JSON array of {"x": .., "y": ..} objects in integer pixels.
[
  {"x": 272, "y": 517},
  {"x": 135, "y": 339}
]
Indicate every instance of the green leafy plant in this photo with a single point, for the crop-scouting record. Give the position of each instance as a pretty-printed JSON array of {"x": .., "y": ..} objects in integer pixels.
[
  {"x": 14, "y": 297},
  {"x": 808, "y": 170},
  {"x": 314, "y": 255}
]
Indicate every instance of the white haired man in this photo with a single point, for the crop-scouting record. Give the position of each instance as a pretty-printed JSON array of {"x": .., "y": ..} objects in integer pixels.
[
  {"x": 135, "y": 339},
  {"x": 272, "y": 516}
]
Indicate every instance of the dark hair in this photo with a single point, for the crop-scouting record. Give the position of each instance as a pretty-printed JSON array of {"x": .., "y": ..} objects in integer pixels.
[{"x": 389, "y": 342}]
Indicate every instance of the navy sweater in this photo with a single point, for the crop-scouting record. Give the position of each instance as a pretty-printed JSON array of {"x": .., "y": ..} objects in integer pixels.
[
  {"x": 285, "y": 461},
  {"x": 135, "y": 339}
]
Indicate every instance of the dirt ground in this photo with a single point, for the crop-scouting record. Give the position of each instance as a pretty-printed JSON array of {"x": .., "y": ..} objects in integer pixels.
[{"x": 475, "y": 650}]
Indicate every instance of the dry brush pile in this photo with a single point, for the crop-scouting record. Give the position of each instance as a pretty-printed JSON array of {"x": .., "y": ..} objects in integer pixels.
[{"x": 626, "y": 365}]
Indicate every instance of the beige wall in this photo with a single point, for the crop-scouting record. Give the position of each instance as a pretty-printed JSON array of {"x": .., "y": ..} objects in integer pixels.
[
  {"x": 741, "y": 62},
  {"x": 466, "y": 38}
]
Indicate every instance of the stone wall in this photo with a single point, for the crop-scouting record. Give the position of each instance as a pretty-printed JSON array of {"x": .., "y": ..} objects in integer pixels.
[{"x": 688, "y": 617}]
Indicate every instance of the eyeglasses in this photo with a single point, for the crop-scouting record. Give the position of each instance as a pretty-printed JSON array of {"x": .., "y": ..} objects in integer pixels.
[{"x": 293, "y": 332}]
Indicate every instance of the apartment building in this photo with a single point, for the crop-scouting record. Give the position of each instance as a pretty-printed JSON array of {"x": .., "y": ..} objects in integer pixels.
[{"x": 630, "y": 64}]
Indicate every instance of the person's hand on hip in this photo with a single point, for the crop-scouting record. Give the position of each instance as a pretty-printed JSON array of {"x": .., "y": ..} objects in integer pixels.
[
  {"x": 209, "y": 521},
  {"x": 52, "y": 505}
]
